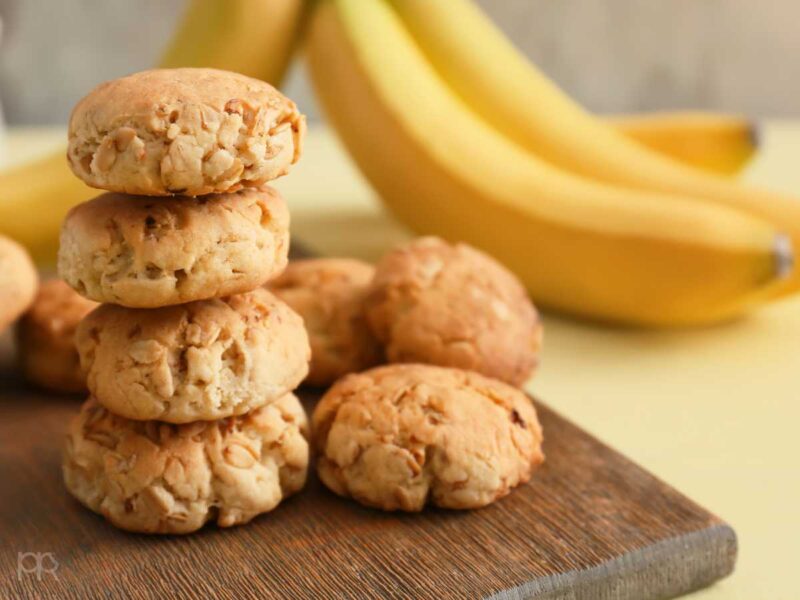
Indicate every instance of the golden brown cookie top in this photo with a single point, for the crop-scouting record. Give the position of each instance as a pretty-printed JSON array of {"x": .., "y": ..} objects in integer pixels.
[
  {"x": 452, "y": 305},
  {"x": 153, "y": 94},
  {"x": 188, "y": 130},
  {"x": 399, "y": 436},
  {"x": 432, "y": 396}
]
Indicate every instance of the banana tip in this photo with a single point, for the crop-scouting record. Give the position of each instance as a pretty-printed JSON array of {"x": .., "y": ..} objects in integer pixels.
[{"x": 784, "y": 256}]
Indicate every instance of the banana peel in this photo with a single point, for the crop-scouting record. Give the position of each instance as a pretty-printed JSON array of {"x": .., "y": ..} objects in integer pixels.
[{"x": 524, "y": 105}]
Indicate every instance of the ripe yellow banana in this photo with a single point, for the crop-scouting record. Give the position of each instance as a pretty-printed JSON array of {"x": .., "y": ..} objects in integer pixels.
[
  {"x": 718, "y": 143},
  {"x": 33, "y": 201},
  {"x": 254, "y": 37},
  {"x": 516, "y": 99},
  {"x": 580, "y": 246}
]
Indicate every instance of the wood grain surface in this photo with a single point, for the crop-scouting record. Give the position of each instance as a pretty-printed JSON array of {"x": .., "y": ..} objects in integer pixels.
[{"x": 591, "y": 525}]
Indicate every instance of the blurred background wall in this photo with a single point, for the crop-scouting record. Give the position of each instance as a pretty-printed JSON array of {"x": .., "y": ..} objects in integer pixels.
[{"x": 613, "y": 55}]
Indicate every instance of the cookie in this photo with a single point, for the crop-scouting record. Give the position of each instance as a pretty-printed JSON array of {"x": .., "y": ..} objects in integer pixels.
[
  {"x": 203, "y": 360},
  {"x": 329, "y": 294},
  {"x": 400, "y": 436},
  {"x": 183, "y": 131},
  {"x": 145, "y": 253},
  {"x": 18, "y": 281},
  {"x": 155, "y": 477},
  {"x": 452, "y": 305},
  {"x": 46, "y": 338}
]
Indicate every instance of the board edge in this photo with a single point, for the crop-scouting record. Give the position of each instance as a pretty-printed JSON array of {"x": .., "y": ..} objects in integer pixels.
[{"x": 666, "y": 569}]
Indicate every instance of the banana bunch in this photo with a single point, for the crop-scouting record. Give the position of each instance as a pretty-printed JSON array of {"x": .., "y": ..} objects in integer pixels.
[
  {"x": 605, "y": 218},
  {"x": 477, "y": 145},
  {"x": 254, "y": 37}
]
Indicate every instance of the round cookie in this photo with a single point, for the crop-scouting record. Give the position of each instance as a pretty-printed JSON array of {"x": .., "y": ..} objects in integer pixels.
[
  {"x": 452, "y": 305},
  {"x": 183, "y": 131},
  {"x": 400, "y": 436},
  {"x": 18, "y": 281},
  {"x": 145, "y": 253},
  {"x": 46, "y": 338},
  {"x": 329, "y": 294},
  {"x": 155, "y": 477},
  {"x": 199, "y": 361}
]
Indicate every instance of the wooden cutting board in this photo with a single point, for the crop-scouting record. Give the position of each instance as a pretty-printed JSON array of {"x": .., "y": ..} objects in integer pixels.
[{"x": 591, "y": 525}]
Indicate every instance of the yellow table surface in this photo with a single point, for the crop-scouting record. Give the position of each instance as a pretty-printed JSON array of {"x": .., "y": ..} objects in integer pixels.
[{"x": 715, "y": 412}]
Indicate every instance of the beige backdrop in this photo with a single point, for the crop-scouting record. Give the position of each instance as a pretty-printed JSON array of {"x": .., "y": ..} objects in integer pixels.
[{"x": 613, "y": 55}]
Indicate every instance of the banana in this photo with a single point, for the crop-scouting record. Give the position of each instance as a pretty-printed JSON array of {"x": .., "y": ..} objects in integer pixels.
[
  {"x": 254, "y": 37},
  {"x": 719, "y": 143},
  {"x": 580, "y": 246},
  {"x": 34, "y": 198},
  {"x": 516, "y": 99}
]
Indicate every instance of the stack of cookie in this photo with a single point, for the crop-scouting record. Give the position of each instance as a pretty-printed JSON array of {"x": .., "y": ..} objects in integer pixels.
[{"x": 190, "y": 362}]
